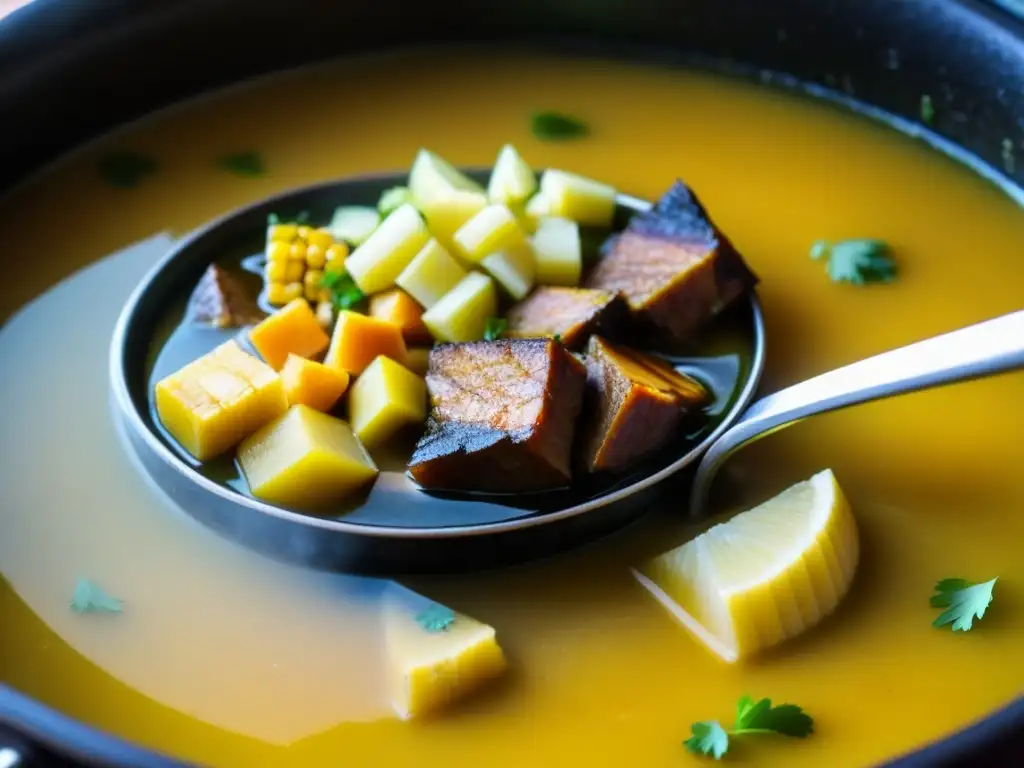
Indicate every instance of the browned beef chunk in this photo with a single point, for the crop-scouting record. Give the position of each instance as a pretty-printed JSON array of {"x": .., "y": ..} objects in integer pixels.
[
  {"x": 502, "y": 416},
  {"x": 572, "y": 314},
  {"x": 635, "y": 405},
  {"x": 674, "y": 266},
  {"x": 220, "y": 300}
]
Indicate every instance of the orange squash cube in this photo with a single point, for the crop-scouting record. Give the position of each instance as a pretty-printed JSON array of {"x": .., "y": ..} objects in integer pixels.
[
  {"x": 359, "y": 339},
  {"x": 292, "y": 330},
  {"x": 307, "y": 382},
  {"x": 398, "y": 307}
]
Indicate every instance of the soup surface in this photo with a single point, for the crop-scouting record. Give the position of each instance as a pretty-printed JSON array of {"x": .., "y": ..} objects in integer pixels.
[{"x": 226, "y": 658}]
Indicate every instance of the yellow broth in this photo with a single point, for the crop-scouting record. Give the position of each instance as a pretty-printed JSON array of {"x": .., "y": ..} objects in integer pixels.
[{"x": 228, "y": 659}]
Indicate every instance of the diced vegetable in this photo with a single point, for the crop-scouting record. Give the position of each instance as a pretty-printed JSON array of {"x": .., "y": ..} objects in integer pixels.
[
  {"x": 376, "y": 263},
  {"x": 214, "y": 402},
  {"x": 393, "y": 199},
  {"x": 461, "y": 315},
  {"x": 279, "y": 294},
  {"x": 305, "y": 458},
  {"x": 307, "y": 382},
  {"x": 514, "y": 269},
  {"x": 558, "y": 252},
  {"x": 431, "y": 274},
  {"x": 495, "y": 228},
  {"x": 291, "y": 330},
  {"x": 432, "y": 177},
  {"x": 512, "y": 180},
  {"x": 359, "y": 339},
  {"x": 578, "y": 198},
  {"x": 396, "y": 306},
  {"x": 537, "y": 208},
  {"x": 296, "y": 256},
  {"x": 417, "y": 359},
  {"x": 445, "y": 215},
  {"x": 385, "y": 398},
  {"x": 354, "y": 223}
]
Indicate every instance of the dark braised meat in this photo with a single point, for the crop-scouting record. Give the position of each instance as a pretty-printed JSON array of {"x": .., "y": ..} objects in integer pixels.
[
  {"x": 572, "y": 314},
  {"x": 635, "y": 405},
  {"x": 220, "y": 300},
  {"x": 502, "y": 416},
  {"x": 676, "y": 269}
]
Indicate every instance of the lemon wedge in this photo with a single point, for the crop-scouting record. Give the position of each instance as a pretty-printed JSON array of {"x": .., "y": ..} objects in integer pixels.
[{"x": 764, "y": 576}]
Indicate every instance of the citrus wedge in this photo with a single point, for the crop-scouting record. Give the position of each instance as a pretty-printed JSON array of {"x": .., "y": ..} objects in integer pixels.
[{"x": 764, "y": 576}]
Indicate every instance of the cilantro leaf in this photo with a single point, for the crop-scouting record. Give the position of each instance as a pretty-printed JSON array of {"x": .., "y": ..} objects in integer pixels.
[
  {"x": 964, "y": 602},
  {"x": 243, "y": 163},
  {"x": 435, "y": 618},
  {"x": 555, "y": 126},
  {"x": 393, "y": 199},
  {"x": 557, "y": 338},
  {"x": 859, "y": 262},
  {"x": 494, "y": 328},
  {"x": 89, "y": 598},
  {"x": 345, "y": 294},
  {"x": 709, "y": 738},
  {"x": 762, "y": 717},
  {"x": 125, "y": 170}
]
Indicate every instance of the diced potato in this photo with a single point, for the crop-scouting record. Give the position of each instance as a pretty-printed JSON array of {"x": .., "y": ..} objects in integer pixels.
[
  {"x": 393, "y": 199},
  {"x": 353, "y": 223},
  {"x": 305, "y": 458},
  {"x": 463, "y": 312},
  {"x": 537, "y": 208},
  {"x": 495, "y": 228},
  {"x": 376, "y": 263},
  {"x": 430, "y": 670},
  {"x": 214, "y": 402},
  {"x": 558, "y": 252},
  {"x": 578, "y": 198},
  {"x": 307, "y": 382},
  {"x": 291, "y": 330},
  {"x": 431, "y": 274},
  {"x": 432, "y": 177},
  {"x": 514, "y": 269},
  {"x": 417, "y": 360},
  {"x": 445, "y": 215},
  {"x": 359, "y": 339},
  {"x": 512, "y": 180},
  {"x": 385, "y": 398},
  {"x": 396, "y": 306}
]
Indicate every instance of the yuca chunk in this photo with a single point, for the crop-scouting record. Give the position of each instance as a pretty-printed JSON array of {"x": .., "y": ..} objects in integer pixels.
[
  {"x": 676, "y": 269},
  {"x": 635, "y": 405},
  {"x": 502, "y": 416},
  {"x": 219, "y": 299},
  {"x": 572, "y": 314}
]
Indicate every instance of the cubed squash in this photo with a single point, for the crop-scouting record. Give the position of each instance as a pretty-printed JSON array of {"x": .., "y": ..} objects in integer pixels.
[
  {"x": 558, "y": 252},
  {"x": 445, "y": 215},
  {"x": 576, "y": 197},
  {"x": 417, "y": 360},
  {"x": 292, "y": 330},
  {"x": 307, "y": 382},
  {"x": 214, "y": 402},
  {"x": 396, "y": 306},
  {"x": 376, "y": 263},
  {"x": 495, "y": 228},
  {"x": 463, "y": 312},
  {"x": 359, "y": 339},
  {"x": 305, "y": 459},
  {"x": 385, "y": 398},
  {"x": 514, "y": 269},
  {"x": 431, "y": 274}
]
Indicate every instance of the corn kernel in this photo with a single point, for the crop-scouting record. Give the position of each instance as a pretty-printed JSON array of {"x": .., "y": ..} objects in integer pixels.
[
  {"x": 326, "y": 294},
  {"x": 315, "y": 256},
  {"x": 325, "y": 314},
  {"x": 294, "y": 270},
  {"x": 337, "y": 252},
  {"x": 292, "y": 291},
  {"x": 313, "y": 277},
  {"x": 297, "y": 252},
  {"x": 282, "y": 232},
  {"x": 321, "y": 237},
  {"x": 277, "y": 295},
  {"x": 276, "y": 271},
  {"x": 277, "y": 250},
  {"x": 303, "y": 232}
]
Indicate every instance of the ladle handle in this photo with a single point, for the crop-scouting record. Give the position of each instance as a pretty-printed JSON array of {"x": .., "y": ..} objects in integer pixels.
[{"x": 988, "y": 348}]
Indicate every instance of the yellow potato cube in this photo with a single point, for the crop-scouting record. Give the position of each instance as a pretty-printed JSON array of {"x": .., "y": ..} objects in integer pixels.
[
  {"x": 558, "y": 252},
  {"x": 292, "y": 330},
  {"x": 512, "y": 180},
  {"x": 430, "y": 667},
  {"x": 314, "y": 384},
  {"x": 432, "y": 177},
  {"x": 305, "y": 459},
  {"x": 431, "y": 274},
  {"x": 514, "y": 269},
  {"x": 445, "y": 215},
  {"x": 376, "y": 263},
  {"x": 214, "y": 402},
  {"x": 385, "y": 398},
  {"x": 495, "y": 228},
  {"x": 463, "y": 312},
  {"x": 578, "y": 198}
]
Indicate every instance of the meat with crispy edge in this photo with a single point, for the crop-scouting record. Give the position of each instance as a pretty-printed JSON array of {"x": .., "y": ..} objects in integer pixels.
[
  {"x": 219, "y": 299},
  {"x": 503, "y": 414},
  {"x": 571, "y": 314}
]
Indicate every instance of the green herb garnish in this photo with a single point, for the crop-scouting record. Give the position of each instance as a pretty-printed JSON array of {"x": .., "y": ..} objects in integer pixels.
[
  {"x": 856, "y": 261},
  {"x": 963, "y": 601},
  {"x": 927, "y": 109},
  {"x": 393, "y": 199},
  {"x": 494, "y": 328},
  {"x": 243, "y": 163},
  {"x": 273, "y": 219},
  {"x": 752, "y": 717},
  {"x": 89, "y": 598},
  {"x": 345, "y": 294},
  {"x": 1009, "y": 158},
  {"x": 555, "y": 126},
  {"x": 125, "y": 170},
  {"x": 557, "y": 338},
  {"x": 436, "y": 618}
]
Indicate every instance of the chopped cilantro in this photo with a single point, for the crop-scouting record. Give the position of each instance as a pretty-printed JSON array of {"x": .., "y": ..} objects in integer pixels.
[
  {"x": 963, "y": 601},
  {"x": 494, "y": 328},
  {"x": 435, "y": 618},
  {"x": 273, "y": 219},
  {"x": 709, "y": 738},
  {"x": 859, "y": 262},
  {"x": 243, "y": 163},
  {"x": 125, "y": 170},
  {"x": 89, "y": 598},
  {"x": 345, "y": 294},
  {"x": 555, "y": 126},
  {"x": 558, "y": 338},
  {"x": 393, "y": 199},
  {"x": 927, "y": 109}
]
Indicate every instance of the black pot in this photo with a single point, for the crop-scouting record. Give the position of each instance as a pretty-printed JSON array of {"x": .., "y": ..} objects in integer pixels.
[{"x": 72, "y": 70}]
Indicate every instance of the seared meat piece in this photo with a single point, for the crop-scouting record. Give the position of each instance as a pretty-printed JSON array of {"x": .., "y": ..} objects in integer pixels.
[
  {"x": 572, "y": 314},
  {"x": 635, "y": 405},
  {"x": 503, "y": 415},
  {"x": 674, "y": 266},
  {"x": 220, "y": 300}
]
